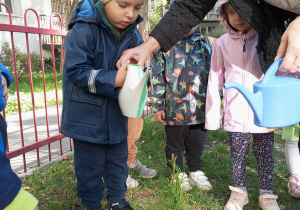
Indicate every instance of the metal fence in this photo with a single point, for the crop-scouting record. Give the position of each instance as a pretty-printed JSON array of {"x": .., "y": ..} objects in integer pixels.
[{"x": 32, "y": 141}]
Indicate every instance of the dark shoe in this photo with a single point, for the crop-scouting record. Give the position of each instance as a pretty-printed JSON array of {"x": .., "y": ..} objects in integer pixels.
[{"x": 123, "y": 205}]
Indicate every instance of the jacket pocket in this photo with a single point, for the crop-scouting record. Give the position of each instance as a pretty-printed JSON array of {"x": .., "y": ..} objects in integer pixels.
[{"x": 85, "y": 108}]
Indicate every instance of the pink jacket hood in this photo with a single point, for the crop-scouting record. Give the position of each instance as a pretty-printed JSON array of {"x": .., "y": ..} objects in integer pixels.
[
  {"x": 222, "y": 2},
  {"x": 234, "y": 59}
]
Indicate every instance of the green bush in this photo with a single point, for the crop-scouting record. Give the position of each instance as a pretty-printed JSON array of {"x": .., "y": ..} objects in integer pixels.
[
  {"x": 156, "y": 12},
  {"x": 6, "y": 57}
]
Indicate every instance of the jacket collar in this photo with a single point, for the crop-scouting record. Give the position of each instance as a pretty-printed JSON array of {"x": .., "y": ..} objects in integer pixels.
[
  {"x": 194, "y": 37},
  {"x": 238, "y": 34}
]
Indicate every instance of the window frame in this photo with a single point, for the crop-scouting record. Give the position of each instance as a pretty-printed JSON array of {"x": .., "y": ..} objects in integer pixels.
[{"x": 11, "y": 7}]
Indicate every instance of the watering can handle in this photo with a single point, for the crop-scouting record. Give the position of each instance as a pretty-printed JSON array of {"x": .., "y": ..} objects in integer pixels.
[{"x": 270, "y": 74}]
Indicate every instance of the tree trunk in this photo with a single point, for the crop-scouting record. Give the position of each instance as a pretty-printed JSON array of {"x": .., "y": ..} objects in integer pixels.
[
  {"x": 145, "y": 23},
  {"x": 65, "y": 8},
  {"x": 71, "y": 5}
]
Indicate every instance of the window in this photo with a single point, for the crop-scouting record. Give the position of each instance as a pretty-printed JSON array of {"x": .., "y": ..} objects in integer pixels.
[{"x": 8, "y": 4}]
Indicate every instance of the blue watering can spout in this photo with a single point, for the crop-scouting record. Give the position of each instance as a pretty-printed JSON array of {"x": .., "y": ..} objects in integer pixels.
[{"x": 255, "y": 100}]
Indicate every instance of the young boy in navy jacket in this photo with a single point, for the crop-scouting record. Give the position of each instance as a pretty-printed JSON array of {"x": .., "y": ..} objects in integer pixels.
[
  {"x": 99, "y": 32},
  {"x": 12, "y": 196}
]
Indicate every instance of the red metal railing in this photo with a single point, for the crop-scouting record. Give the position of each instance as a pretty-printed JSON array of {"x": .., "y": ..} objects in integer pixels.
[{"x": 23, "y": 149}]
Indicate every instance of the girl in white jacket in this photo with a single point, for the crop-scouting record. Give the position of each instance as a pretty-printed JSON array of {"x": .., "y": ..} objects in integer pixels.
[{"x": 235, "y": 59}]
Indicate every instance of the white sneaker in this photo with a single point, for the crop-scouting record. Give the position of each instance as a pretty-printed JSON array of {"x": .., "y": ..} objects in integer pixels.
[
  {"x": 199, "y": 179},
  {"x": 183, "y": 179},
  {"x": 131, "y": 183},
  {"x": 238, "y": 199}
]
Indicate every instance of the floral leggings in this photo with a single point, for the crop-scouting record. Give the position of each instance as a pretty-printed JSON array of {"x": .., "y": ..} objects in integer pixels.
[{"x": 263, "y": 152}]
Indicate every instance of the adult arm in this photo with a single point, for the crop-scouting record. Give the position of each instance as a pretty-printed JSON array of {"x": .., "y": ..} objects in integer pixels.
[
  {"x": 181, "y": 18},
  {"x": 289, "y": 48}
]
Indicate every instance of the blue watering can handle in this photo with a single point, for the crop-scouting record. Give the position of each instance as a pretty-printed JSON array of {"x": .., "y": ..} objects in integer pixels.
[{"x": 270, "y": 74}]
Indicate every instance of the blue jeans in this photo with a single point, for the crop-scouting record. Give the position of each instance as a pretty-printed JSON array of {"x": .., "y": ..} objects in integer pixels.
[{"x": 92, "y": 162}]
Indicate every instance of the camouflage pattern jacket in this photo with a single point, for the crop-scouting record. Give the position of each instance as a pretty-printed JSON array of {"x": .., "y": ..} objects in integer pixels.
[{"x": 179, "y": 81}]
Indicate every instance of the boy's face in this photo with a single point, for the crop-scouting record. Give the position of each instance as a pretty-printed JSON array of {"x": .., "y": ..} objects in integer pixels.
[
  {"x": 235, "y": 20},
  {"x": 122, "y": 13}
]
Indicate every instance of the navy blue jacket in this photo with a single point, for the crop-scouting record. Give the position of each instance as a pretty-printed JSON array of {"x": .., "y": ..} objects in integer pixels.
[{"x": 91, "y": 110}]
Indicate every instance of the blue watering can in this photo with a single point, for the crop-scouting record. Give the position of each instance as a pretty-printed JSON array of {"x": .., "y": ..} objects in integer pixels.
[{"x": 275, "y": 100}]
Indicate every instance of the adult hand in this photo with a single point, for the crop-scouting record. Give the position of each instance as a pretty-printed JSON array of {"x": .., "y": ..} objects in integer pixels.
[
  {"x": 4, "y": 87},
  {"x": 160, "y": 116},
  {"x": 121, "y": 74},
  {"x": 289, "y": 48},
  {"x": 139, "y": 54}
]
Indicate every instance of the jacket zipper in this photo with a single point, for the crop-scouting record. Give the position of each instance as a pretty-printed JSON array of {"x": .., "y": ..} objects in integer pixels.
[{"x": 245, "y": 77}]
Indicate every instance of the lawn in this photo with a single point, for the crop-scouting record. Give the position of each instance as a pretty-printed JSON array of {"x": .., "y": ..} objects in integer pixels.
[
  {"x": 38, "y": 89},
  {"x": 55, "y": 186}
]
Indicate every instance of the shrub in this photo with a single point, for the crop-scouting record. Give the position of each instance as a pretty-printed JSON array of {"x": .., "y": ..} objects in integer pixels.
[
  {"x": 156, "y": 12},
  {"x": 6, "y": 57}
]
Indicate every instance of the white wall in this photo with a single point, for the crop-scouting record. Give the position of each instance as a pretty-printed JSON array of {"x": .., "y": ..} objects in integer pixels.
[{"x": 19, "y": 6}]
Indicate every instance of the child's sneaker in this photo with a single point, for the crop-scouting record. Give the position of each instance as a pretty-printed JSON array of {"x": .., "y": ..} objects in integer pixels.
[
  {"x": 131, "y": 183},
  {"x": 294, "y": 186},
  {"x": 142, "y": 169},
  {"x": 238, "y": 199},
  {"x": 199, "y": 179},
  {"x": 268, "y": 202},
  {"x": 183, "y": 179},
  {"x": 122, "y": 205}
]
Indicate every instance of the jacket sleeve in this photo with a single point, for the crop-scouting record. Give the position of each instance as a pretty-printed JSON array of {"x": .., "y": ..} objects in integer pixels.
[
  {"x": 6, "y": 74},
  {"x": 182, "y": 16},
  {"x": 208, "y": 52},
  {"x": 79, "y": 54},
  {"x": 158, "y": 85},
  {"x": 215, "y": 85}
]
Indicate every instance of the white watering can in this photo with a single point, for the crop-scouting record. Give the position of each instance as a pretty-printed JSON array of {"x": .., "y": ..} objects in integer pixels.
[{"x": 133, "y": 95}]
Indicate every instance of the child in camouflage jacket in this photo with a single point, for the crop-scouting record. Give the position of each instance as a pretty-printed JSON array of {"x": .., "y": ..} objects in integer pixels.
[{"x": 178, "y": 94}]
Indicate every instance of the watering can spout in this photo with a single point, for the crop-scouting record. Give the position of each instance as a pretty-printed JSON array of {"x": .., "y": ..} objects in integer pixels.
[
  {"x": 255, "y": 100},
  {"x": 144, "y": 79},
  {"x": 139, "y": 82}
]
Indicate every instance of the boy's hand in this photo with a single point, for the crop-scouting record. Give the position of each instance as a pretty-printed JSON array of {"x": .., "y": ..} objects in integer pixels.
[
  {"x": 160, "y": 116},
  {"x": 121, "y": 75},
  {"x": 4, "y": 87}
]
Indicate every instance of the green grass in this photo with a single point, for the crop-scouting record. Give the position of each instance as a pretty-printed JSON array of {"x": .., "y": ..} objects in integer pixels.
[
  {"x": 25, "y": 93},
  {"x": 55, "y": 186}
]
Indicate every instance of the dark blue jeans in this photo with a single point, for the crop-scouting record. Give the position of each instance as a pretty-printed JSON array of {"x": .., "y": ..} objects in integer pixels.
[{"x": 92, "y": 162}]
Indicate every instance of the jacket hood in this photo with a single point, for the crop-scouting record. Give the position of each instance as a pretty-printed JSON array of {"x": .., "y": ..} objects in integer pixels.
[
  {"x": 195, "y": 36},
  {"x": 222, "y": 2}
]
